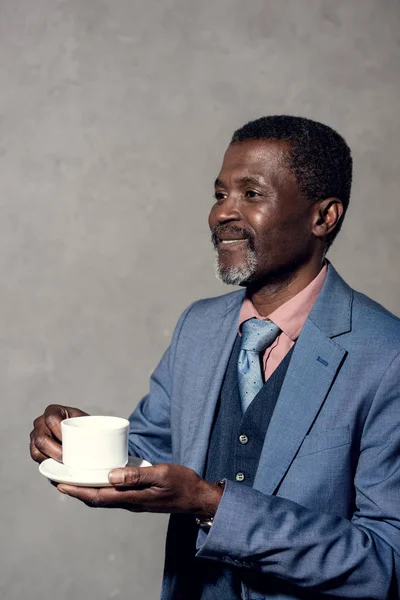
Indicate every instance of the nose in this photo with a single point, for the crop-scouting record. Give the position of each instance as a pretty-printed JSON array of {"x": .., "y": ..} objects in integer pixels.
[{"x": 225, "y": 211}]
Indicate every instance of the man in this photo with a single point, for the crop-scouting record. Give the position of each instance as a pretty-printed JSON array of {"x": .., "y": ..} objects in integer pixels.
[{"x": 273, "y": 418}]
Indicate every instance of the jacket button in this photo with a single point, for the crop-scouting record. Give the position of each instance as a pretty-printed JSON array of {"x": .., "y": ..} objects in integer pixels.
[
  {"x": 243, "y": 439},
  {"x": 239, "y": 476}
]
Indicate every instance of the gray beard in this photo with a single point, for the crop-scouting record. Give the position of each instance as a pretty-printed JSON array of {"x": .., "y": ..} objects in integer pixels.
[{"x": 236, "y": 275}]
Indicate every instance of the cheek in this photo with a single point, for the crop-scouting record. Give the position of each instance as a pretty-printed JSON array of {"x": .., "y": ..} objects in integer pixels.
[
  {"x": 266, "y": 224},
  {"x": 261, "y": 221},
  {"x": 280, "y": 233}
]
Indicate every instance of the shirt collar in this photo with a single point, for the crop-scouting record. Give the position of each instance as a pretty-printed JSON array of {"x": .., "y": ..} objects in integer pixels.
[{"x": 291, "y": 316}]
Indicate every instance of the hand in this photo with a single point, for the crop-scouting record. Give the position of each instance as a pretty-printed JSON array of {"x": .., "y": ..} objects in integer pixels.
[
  {"x": 165, "y": 488},
  {"x": 46, "y": 434}
]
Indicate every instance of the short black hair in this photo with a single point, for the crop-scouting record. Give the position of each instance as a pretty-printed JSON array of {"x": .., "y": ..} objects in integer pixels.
[{"x": 318, "y": 155}]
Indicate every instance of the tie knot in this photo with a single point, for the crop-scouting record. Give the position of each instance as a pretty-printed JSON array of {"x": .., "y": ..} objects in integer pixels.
[{"x": 258, "y": 335}]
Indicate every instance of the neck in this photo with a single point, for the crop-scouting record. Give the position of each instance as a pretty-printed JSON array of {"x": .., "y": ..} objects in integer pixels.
[{"x": 269, "y": 294}]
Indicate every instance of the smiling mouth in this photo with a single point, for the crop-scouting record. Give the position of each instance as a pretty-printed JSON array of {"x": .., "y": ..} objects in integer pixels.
[
  {"x": 231, "y": 243},
  {"x": 229, "y": 238}
]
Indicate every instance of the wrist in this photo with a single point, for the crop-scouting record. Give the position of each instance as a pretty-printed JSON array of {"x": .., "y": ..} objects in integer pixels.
[{"x": 211, "y": 499}]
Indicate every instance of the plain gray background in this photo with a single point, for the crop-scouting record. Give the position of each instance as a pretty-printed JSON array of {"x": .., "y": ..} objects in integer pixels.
[{"x": 114, "y": 116}]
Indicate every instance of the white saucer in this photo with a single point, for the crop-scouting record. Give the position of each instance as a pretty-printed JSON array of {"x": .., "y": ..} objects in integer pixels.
[{"x": 59, "y": 473}]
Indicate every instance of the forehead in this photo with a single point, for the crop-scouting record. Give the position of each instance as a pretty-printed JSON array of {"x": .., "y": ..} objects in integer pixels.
[{"x": 265, "y": 160}]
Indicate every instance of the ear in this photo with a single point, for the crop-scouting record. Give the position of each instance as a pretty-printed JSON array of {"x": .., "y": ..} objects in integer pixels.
[{"x": 326, "y": 216}]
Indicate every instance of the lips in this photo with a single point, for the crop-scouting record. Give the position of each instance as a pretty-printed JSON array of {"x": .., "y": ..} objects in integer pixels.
[
  {"x": 224, "y": 238},
  {"x": 230, "y": 237},
  {"x": 230, "y": 240}
]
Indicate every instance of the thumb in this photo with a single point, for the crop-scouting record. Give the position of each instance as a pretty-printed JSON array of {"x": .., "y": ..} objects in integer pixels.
[{"x": 134, "y": 476}]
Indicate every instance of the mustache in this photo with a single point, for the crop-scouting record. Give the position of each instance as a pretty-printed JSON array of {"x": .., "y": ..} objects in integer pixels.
[{"x": 232, "y": 230}]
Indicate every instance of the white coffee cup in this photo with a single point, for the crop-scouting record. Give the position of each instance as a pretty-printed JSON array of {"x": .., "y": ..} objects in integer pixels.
[{"x": 94, "y": 442}]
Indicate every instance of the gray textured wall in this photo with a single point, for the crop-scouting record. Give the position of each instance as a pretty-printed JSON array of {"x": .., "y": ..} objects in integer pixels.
[{"x": 114, "y": 115}]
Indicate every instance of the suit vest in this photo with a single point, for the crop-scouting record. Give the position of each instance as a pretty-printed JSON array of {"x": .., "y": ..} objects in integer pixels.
[{"x": 234, "y": 451}]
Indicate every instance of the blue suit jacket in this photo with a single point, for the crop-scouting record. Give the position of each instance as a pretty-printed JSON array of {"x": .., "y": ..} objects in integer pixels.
[{"x": 323, "y": 516}]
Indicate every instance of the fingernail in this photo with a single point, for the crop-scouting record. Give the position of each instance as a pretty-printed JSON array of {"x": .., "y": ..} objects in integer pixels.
[
  {"x": 116, "y": 476},
  {"x": 62, "y": 490}
]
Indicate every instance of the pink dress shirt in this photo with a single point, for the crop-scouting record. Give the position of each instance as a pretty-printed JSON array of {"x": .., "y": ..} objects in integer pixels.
[{"x": 290, "y": 318}]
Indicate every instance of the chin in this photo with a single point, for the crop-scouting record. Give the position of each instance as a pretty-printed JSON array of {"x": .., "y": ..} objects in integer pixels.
[{"x": 234, "y": 274}]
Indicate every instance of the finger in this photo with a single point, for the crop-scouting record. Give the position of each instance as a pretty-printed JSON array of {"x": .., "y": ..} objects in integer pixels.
[
  {"x": 135, "y": 501},
  {"x": 135, "y": 476},
  {"x": 93, "y": 497},
  {"x": 87, "y": 495},
  {"x": 35, "y": 453},
  {"x": 46, "y": 446},
  {"x": 53, "y": 415}
]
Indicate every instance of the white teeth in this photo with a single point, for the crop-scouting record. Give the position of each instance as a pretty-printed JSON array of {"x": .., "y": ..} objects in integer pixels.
[{"x": 231, "y": 241}]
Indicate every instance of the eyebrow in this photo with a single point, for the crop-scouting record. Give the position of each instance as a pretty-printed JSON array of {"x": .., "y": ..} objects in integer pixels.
[{"x": 246, "y": 179}]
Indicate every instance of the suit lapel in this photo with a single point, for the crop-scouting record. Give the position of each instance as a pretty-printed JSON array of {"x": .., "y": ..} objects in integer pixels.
[
  {"x": 313, "y": 367},
  {"x": 316, "y": 360},
  {"x": 222, "y": 332}
]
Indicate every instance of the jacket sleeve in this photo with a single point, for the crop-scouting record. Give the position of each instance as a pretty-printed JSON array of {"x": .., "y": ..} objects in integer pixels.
[
  {"x": 150, "y": 423},
  {"x": 357, "y": 558}
]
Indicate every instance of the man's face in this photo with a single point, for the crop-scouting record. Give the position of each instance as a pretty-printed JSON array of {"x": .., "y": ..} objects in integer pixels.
[{"x": 260, "y": 222}]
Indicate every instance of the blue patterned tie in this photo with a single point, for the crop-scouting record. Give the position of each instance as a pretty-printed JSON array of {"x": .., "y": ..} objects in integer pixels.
[{"x": 256, "y": 337}]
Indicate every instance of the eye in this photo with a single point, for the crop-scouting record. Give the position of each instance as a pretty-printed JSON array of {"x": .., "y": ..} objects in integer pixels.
[
  {"x": 219, "y": 196},
  {"x": 252, "y": 194}
]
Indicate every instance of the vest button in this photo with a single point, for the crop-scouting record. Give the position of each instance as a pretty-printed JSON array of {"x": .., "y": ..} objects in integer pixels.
[
  {"x": 239, "y": 476},
  {"x": 243, "y": 439}
]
